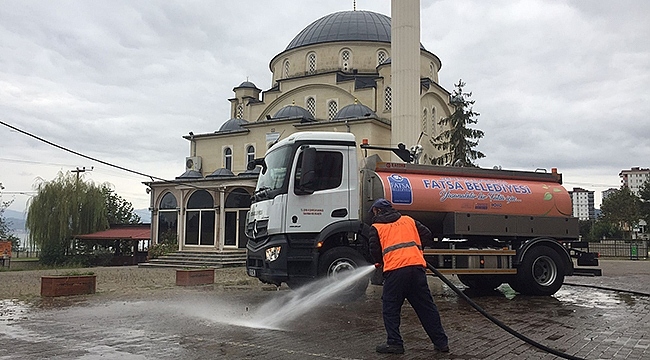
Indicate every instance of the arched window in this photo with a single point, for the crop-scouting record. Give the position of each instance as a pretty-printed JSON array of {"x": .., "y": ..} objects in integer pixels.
[
  {"x": 200, "y": 219},
  {"x": 240, "y": 111},
  {"x": 311, "y": 63},
  {"x": 433, "y": 122},
  {"x": 346, "y": 59},
  {"x": 286, "y": 67},
  {"x": 227, "y": 158},
  {"x": 425, "y": 120},
  {"x": 381, "y": 57},
  {"x": 388, "y": 99},
  {"x": 332, "y": 109},
  {"x": 167, "y": 219},
  {"x": 250, "y": 153},
  {"x": 310, "y": 104},
  {"x": 237, "y": 204},
  {"x": 432, "y": 70}
]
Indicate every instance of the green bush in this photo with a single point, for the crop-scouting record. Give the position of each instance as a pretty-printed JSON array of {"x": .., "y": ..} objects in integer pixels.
[{"x": 165, "y": 248}]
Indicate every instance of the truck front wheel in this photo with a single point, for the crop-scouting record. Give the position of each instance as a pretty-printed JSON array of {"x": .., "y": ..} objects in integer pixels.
[
  {"x": 341, "y": 259},
  {"x": 541, "y": 272}
]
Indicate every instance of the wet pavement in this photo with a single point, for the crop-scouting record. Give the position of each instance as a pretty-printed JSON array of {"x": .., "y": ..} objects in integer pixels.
[{"x": 206, "y": 322}]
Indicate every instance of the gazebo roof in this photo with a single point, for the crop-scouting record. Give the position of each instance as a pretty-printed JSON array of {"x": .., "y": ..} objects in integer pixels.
[{"x": 121, "y": 232}]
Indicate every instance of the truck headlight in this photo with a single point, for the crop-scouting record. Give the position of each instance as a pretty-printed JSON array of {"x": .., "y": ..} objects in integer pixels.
[{"x": 273, "y": 253}]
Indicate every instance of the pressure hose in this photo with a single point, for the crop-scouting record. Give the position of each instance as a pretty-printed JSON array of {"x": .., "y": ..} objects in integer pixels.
[{"x": 497, "y": 321}]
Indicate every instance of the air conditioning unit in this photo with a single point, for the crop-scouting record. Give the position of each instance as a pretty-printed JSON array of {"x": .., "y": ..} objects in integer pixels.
[{"x": 193, "y": 163}]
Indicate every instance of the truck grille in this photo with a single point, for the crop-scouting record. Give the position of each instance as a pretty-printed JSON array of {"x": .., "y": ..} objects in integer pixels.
[{"x": 257, "y": 229}]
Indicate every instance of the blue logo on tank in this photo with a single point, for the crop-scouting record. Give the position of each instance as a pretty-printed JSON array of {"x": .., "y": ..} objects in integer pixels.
[{"x": 400, "y": 189}]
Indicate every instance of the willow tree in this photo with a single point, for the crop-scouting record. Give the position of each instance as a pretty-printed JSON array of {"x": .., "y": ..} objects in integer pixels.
[
  {"x": 457, "y": 141},
  {"x": 62, "y": 208}
]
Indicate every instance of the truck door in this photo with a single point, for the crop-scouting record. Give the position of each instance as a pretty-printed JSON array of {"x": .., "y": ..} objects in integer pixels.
[{"x": 325, "y": 197}]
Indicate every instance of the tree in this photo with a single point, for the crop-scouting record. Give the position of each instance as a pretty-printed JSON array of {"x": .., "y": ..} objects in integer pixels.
[
  {"x": 62, "y": 208},
  {"x": 605, "y": 230},
  {"x": 6, "y": 234},
  {"x": 458, "y": 141},
  {"x": 586, "y": 227},
  {"x": 119, "y": 210},
  {"x": 621, "y": 208},
  {"x": 644, "y": 202}
]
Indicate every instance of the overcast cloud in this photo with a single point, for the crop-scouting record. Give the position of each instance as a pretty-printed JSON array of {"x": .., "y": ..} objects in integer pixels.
[{"x": 561, "y": 84}]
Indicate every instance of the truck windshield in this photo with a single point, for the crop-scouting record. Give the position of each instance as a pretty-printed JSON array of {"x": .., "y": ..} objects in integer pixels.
[{"x": 271, "y": 180}]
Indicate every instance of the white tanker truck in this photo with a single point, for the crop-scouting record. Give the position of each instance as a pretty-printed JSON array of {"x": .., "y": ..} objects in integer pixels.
[{"x": 309, "y": 217}]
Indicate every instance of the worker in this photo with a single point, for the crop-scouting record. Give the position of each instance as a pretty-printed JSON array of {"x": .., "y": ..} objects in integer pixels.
[{"x": 396, "y": 244}]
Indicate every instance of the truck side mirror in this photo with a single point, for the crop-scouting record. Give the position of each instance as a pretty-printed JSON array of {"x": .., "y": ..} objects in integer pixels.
[
  {"x": 253, "y": 163},
  {"x": 308, "y": 177}
]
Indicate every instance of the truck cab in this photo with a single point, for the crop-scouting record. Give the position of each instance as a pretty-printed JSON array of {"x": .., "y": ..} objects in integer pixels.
[{"x": 306, "y": 204}]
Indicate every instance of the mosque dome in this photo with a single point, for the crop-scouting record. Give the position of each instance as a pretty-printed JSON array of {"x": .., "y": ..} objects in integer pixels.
[
  {"x": 247, "y": 84},
  {"x": 294, "y": 111},
  {"x": 221, "y": 172},
  {"x": 345, "y": 26},
  {"x": 190, "y": 174},
  {"x": 354, "y": 111},
  {"x": 232, "y": 125}
]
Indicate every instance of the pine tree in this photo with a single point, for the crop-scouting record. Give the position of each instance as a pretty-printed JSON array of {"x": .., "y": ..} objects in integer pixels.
[{"x": 458, "y": 141}]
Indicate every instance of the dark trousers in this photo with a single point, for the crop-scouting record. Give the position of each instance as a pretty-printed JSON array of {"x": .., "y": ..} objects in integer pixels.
[{"x": 410, "y": 283}]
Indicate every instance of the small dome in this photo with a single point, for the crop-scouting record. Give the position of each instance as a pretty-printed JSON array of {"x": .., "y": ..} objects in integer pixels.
[
  {"x": 255, "y": 172},
  {"x": 232, "y": 125},
  {"x": 221, "y": 172},
  {"x": 294, "y": 111},
  {"x": 354, "y": 111},
  {"x": 190, "y": 174},
  {"x": 247, "y": 84}
]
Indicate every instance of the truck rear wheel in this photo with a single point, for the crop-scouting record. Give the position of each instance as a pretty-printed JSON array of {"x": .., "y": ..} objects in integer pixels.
[
  {"x": 340, "y": 259},
  {"x": 541, "y": 272},
  {"x": 481, "y": 282}
]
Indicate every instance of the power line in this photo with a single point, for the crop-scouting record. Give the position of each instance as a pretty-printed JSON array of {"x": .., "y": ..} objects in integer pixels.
[{"x": 153, "y": 178}]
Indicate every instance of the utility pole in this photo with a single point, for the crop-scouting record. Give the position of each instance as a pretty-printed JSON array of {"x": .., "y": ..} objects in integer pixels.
[{"x": 82, "y": 170}]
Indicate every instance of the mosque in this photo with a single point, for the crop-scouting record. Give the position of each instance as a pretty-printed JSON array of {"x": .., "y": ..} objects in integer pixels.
[{"x": 334, "y": 75}]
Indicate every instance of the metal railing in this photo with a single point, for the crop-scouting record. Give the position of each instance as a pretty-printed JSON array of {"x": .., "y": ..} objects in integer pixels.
[{"x": 630, "y": 249}]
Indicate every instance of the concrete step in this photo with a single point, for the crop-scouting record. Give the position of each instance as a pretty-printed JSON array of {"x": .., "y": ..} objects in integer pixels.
[{"x": 187, "y": 259}]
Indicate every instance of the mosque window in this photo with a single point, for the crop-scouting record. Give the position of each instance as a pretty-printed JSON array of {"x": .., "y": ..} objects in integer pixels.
[
  {"x": 346, "y": 59},
  {"x": 168, "y": 219},
  {"x": 311, "y": 63},
  {"x": 227, "y": 158},
  {"x": 250, "y": 153},
  {"x": 433, "y": 121},
  {"x": 240, "y": 111},
  {"x": 425, "y": 120},
  {"x": 381, "y": 57},
  {"x": 200, "y": 219},
  {"x": 310, "y": 104},
  {"x": 286, "y": 68},
  {"x": 388, "y": 99},
  {"x": 332, "y": 108}
]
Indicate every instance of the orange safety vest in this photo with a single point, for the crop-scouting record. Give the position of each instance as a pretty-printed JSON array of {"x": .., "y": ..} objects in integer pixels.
[{"x": 400, "y": 243}]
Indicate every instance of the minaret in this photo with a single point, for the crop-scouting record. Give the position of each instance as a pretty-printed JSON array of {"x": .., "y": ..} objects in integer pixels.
[{"x": 405, "y": 72}]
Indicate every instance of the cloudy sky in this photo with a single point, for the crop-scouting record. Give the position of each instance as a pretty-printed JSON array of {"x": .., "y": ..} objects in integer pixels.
[{"x": 561, "y": 84}]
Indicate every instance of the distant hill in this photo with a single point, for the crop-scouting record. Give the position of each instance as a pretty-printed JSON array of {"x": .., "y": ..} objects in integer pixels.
[
  {"x": 144, "y": 214},
  {"x": 16, "y": 220}
]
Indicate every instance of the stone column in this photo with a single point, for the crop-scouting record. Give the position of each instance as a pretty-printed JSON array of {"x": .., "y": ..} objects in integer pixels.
[{"x": 405, "y": 72}]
